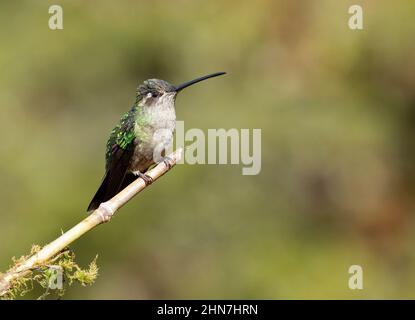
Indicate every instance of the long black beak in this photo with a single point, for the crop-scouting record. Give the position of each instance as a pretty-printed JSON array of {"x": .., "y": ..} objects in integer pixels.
[{"x": 189, "y": 83}]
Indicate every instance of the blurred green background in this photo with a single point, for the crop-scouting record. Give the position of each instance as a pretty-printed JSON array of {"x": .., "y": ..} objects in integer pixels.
[{"x": 337, "y": 112}]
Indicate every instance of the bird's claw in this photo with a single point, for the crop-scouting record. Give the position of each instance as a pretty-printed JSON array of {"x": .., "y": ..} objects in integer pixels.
[
  {"x": 147, "y": 179},
  {"x": 168, "y": 162}
]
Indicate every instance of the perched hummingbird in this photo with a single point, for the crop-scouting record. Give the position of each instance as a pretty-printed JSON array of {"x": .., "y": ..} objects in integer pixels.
[{"x": 143, "y": 132}]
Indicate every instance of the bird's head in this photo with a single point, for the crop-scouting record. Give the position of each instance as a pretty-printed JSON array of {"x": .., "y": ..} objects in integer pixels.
[{"x": 154, "y": 91}]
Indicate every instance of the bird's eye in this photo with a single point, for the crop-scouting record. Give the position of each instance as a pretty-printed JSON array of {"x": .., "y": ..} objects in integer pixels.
[{"x": 155, "y": 94}]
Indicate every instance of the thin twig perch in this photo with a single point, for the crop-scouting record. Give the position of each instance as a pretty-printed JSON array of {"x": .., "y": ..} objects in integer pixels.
[{"x": 101, "y": 215}]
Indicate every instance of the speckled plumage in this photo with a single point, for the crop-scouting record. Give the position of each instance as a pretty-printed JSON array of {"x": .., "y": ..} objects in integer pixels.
[
  {"x": 141, "y": 136},
  {"x": 122, "y": 134}
]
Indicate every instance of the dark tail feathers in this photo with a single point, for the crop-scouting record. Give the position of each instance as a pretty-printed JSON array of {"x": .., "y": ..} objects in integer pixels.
[{"x": 110, "y": 186}]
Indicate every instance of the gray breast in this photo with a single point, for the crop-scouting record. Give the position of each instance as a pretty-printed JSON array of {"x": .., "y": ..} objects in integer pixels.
[{"x": 159, "y": 128}]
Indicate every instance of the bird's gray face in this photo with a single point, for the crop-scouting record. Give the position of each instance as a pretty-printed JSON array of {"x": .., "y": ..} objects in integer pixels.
[{"x": 154, "y": 92}]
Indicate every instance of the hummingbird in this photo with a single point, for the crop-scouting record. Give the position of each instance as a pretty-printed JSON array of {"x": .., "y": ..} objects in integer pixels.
[{"x": 141, "y": 137}]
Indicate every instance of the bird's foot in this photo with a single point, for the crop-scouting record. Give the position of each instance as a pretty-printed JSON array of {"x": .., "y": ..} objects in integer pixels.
[
  {"x": 168, "y": 162},
  {"x": 147, "y": 179}
]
